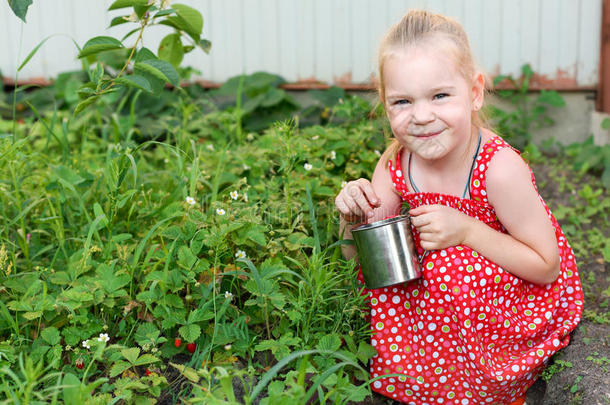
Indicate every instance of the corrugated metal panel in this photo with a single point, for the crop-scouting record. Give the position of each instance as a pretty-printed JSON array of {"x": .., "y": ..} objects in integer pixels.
[{"x": 332, "y": 41}]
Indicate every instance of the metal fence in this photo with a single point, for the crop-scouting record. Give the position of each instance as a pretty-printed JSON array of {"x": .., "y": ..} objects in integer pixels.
[{"x": 333, "y": 41}]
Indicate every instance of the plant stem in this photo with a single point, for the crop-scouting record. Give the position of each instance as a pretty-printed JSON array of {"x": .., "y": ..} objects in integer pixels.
[
  {"x": 267, "y": 319},
  {"x": 15, "y": 87},
  {"x": 133, "y": 50}
]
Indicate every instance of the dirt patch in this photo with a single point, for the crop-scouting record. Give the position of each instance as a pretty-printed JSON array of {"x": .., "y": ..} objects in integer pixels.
[{"x": 584, "y": 378}]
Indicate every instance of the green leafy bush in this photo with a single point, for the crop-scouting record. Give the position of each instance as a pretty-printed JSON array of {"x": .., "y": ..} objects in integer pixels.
[{"x": 518, "y": 125}]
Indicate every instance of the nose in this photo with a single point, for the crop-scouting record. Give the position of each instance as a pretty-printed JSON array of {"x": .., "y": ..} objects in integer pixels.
[{"x": 422, "y": 113}]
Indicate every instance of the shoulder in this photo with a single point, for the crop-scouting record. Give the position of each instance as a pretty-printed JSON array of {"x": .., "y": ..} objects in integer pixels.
[
  {"x": 382, "y": 175},
  {"x": 388, "y": 164},
  {"x": 507, "y": 172},
  {"x": 505, "y": 164},
  {"x": 389, "y": 156}
]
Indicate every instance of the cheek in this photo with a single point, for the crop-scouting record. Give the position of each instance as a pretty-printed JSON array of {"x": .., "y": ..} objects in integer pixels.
[
  {"x": 459, "y": 114},
  {"x": 399, "y": 122}
]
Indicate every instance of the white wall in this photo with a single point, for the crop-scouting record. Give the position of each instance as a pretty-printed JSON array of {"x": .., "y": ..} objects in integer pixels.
[{"x": 327, "y": 40}]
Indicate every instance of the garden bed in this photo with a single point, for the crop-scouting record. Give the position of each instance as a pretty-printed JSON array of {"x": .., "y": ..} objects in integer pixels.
[{"x": 188, "y": 226}]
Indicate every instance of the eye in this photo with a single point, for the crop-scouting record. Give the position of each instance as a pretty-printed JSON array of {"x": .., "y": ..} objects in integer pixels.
[
  {"x": 440, "y": 96},
  {"x": 400, "y": 102}
]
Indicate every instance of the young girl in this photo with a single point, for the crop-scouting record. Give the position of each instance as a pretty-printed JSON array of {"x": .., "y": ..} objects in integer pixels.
[{"x": 500, "y": 292}]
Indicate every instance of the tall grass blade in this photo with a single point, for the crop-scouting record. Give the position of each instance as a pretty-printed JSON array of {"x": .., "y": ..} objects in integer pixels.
[
  {"x": 314, "y": 221},
  {"x": 33, "y": 52},
  {"x": 7, "y": 316},
  {"x": 269, "y": 375},
  {"x": 322, "y": 377},
  {"x": 142, "y": 244}
]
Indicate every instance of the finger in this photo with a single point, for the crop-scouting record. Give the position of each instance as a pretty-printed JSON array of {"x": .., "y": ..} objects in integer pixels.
[
  {"x": 356, "y": 193},
  {"x": 341, "y": 206},
  {"x": 364, "y": 205},
  {"x": 422, "y": 209},
  {"x": 421, "y": 221},
  {"x": 426, "y": 235},
  {"x": 426, "y": 245},
  {"x": 353, "y": 208},
  {"x": 367, "y": 189}
]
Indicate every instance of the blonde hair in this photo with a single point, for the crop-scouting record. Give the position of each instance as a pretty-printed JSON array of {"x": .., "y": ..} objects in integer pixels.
[{"x": 417, "y": 27}]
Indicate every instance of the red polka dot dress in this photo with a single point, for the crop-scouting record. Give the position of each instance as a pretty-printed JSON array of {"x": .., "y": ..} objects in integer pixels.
[{"x": 468, "y": 332}]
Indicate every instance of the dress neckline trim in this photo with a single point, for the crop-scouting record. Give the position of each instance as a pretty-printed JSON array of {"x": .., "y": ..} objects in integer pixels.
[
  {"x": 467, "y": 187},
  {"x": 444, "y": 195}
]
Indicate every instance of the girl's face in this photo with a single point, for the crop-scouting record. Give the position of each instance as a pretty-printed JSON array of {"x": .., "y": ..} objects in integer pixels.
[{"x": 428, "y": 102}]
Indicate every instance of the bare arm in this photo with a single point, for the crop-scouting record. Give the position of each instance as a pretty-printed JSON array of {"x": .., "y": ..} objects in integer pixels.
[
  {"x": 356, "y": 206},
  {"x": 529, "y": 250}
]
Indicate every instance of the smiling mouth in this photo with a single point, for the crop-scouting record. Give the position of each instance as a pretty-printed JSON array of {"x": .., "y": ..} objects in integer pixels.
[{"x": 427, "y": 134}]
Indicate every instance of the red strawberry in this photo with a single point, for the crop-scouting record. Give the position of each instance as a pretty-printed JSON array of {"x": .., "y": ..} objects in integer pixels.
[
  {"x": 147, "y": 372},
  {"x": 177, "y": 342},
  {"x": 80, "y": 363},
  {"x": 191, "y": 347}
]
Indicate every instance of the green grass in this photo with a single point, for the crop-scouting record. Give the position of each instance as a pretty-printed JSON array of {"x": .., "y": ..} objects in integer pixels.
[{"x": 101, "y": 237}]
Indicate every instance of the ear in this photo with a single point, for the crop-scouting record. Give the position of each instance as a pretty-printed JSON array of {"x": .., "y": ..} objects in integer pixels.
[{"x": 478, "y": 91}]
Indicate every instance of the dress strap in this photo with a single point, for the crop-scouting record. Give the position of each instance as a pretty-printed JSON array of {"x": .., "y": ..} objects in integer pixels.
[
  {"x": 474, "y": 159},
  {"x": 413, "y": 186}
]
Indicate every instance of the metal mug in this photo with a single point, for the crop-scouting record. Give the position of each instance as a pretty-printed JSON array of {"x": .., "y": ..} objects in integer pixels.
[{"x": 387, "y": 252}]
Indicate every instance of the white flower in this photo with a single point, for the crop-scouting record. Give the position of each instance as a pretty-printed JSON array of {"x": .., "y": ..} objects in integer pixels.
[
  {"x": 103, "y": 338},
  {"x": 250, "y": 136},
  {"x": 343, "y": 183},
  {"x": 240, "y": 254},
  {"x": 210, "y": 147},
  {"x": 377, "y": 152},
  {"x": 166, "y": 160},
  {"x": 246, "y": 167},
  {"x": 340, "y": 101},
  {"x": 220, "y": 211},
  {"x": 190, "y": 201},
  {"x": 228, "y": 347},
  {"x": 228, "y": 295},
  {"x": 333, "y": 155},
  {"x": 315, "y": 137},
  {"x": 234, "y": 195},
  {"x": 86, "y": 344},
  {"x": 245, "y": 197},
  {"x": 307, "y": 166}
]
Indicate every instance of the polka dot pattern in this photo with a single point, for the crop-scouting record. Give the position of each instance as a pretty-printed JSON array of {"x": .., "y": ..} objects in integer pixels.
[{"x": 469, "y": 332}]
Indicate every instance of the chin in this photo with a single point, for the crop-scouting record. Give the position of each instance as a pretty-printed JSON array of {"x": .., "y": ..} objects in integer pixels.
[{"x": 428, "y": 148}]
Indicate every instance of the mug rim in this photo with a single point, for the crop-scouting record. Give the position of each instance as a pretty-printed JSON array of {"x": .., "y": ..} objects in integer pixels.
[{"x": 382, "y": 222}]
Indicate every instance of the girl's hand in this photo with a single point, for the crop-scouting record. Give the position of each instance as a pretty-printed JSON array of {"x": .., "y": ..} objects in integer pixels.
[
  {"x": 357, "y": 200},
  {"x": 440, "y": 226}
]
